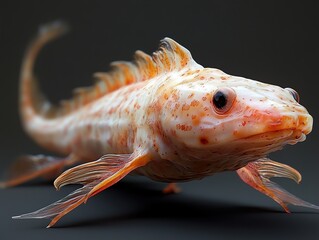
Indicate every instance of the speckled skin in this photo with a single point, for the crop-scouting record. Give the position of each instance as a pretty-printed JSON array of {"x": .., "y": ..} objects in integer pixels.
[
  {"x": 195, "y": 141},
  {"x": 158, "y": 116},
  {"x": 166, "y": 108}
]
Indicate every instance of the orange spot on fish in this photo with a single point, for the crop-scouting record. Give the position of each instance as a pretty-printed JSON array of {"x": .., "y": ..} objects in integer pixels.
[
  {"x": 185, "y": 107},
  {"x": 191, "y": 95},
  {"x": 195, "y": 120},
  {"x": 194, "y": 103},
  {"x": 203, "y": 140},
  {"x": 183, "y": 127},
  {"x": 137, "y": 106}
]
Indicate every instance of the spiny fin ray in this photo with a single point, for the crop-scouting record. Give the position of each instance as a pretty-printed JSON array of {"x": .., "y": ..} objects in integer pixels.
[{"x": 169, "y": 57}]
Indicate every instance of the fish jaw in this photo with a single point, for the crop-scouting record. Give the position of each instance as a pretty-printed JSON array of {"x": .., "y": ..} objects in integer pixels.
[{"x": 294, "y": 127}]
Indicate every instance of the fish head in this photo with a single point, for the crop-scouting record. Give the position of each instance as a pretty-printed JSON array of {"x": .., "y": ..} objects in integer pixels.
[{"x": 213, "y": 116}]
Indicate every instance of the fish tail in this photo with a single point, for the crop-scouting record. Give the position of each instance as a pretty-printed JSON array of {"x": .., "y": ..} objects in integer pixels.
[{"x": 32, "y": 100}]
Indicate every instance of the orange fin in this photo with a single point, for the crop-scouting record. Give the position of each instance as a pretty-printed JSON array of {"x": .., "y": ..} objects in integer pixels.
[
  {"x": 171, "y": 188},
  {"x": 29, "y": 167},
  {"x": 257, "y": 175},
  {"x": 95, "y": 176},
  {"x": 169, "y": 57}
]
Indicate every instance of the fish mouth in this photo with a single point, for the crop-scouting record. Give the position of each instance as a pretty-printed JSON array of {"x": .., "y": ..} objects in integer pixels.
[
  {"x": 291, "y": 128},
  {"x": 288, "y": 135}
]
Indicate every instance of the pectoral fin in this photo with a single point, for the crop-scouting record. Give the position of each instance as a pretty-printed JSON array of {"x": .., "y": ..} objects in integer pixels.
[
  {"x": 257, "y": 175},
  {"x": 95, "y": 176},
  {"x": 29, "y": 167}
]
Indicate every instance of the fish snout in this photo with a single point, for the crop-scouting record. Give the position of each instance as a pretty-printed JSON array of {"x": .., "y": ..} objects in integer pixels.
[
  {"x": 296, "y": 122},
  {"x": 305, "y": 123}
]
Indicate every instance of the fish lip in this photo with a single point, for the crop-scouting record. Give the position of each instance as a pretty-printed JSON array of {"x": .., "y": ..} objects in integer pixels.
[
  {"x": 291, "y": 137},
  {"x": 288, "y": 130},
  {"x": 298, "y": 130}
]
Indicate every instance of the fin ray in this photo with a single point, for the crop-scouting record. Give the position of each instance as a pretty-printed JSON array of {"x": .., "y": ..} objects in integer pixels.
[
  {"x": 283, "y": 196},
  {"x": 170, "y": 56},
  {"x": 95, "y": 176},
  {"x": 88, "y": 172},
  {"x": 257, "y": 174},
  {"x": 268, "y": 169},
  {"x": 29, "y": 167}
]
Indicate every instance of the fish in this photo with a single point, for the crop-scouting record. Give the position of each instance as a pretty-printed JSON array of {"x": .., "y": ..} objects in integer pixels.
[{"x": 162, "y": 116}]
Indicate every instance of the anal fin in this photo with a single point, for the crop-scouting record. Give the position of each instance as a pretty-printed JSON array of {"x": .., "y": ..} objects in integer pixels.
[
  {"x": 257, "y": 174},
  {"x": 95, "y": 176},
  {"x": 30, "y": 167}
]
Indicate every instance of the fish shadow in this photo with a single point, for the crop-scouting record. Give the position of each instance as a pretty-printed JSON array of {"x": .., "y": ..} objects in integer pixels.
[{"x": 139, "y": 201}]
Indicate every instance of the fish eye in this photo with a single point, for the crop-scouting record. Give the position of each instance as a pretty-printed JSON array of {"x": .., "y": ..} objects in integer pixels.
[
  {"x": 223, "y": 100},
  {"x": 294, "y": 94}
]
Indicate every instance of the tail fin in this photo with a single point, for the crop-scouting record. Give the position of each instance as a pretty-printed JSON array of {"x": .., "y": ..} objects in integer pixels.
[{"x": 32, "y": 101}]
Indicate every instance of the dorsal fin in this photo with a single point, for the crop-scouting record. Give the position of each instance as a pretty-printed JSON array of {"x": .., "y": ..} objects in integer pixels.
[{"x": 169, "y": 57}]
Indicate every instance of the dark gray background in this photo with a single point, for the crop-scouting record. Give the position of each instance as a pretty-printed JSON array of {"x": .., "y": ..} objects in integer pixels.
[{"x": 270, "y": 41}]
